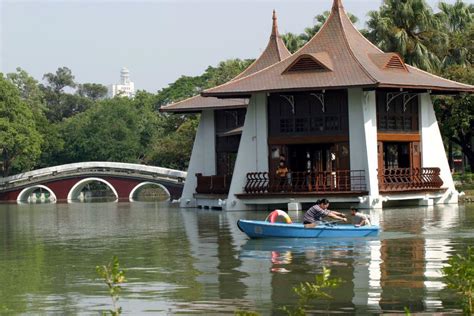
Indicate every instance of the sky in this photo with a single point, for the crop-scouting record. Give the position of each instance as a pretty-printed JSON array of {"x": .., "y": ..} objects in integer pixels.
[{"x": 157, "y": 40}]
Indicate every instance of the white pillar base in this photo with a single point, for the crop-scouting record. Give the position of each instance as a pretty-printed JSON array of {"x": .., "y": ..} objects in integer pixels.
[
  {"x": 426, "y": 202},
  {"x": 450, "y": 197},
  {"x": 370, "y": 202}
]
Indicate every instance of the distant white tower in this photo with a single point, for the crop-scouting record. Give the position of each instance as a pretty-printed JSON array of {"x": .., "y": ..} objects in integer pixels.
[{"x": 126, "y": 87}]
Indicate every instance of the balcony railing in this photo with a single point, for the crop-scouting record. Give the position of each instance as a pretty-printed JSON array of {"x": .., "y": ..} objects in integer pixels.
[
  {"x": 213, "y": 184},
  {"x": 306, "y": 182},
  {"x": 406, "y": 179}
]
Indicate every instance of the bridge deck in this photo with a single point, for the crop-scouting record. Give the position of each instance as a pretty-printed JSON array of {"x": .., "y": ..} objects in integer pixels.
[{"x": 95, "y": 168}]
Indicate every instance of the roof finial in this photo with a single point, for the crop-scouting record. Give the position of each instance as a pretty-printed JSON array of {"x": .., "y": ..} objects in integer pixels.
[
  {"x": 337, "y": 4},
  {"x": 275, "y": 24}
]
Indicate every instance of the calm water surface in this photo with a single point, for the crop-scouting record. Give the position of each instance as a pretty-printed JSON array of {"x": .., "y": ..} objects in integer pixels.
[{"x": 188, "y": 261}]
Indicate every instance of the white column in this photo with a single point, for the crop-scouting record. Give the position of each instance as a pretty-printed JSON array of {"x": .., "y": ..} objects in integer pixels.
[
  {"x": 253, "y": 149},
  {"x": 432, "y": 149},
  {"x": 363, "y": 141},
  {"x": 203, "y": 157}
]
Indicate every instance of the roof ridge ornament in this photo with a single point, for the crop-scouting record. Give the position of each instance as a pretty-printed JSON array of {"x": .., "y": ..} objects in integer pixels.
[
  {"x": 337, "y": 4},
  {"x": 275, "y": 24}
]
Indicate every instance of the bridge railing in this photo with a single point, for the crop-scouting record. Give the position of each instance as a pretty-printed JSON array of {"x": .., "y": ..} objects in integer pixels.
[{"x": 96, "y": 168}]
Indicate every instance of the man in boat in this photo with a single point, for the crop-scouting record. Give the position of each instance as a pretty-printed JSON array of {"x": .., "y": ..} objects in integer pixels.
[
  {"x": 360, "y": 219},
  {"x": 317, "y": 212}
]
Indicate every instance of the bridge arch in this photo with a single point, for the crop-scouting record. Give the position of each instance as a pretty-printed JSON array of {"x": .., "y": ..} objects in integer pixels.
[
  {"x": 26, "y": 192},
  {"x": 77, "y": 188},
  {"x": 135, "y": 189}
]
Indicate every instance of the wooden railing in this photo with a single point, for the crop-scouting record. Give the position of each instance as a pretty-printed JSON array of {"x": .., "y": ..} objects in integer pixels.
[
  {"x": 337, "y": 181},
  {"x": 213, "y": 184},
  {"x": 406, "y": 179}
]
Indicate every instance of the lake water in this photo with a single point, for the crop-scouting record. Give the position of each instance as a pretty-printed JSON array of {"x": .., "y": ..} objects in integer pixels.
[{"x": 190, "y": 261}]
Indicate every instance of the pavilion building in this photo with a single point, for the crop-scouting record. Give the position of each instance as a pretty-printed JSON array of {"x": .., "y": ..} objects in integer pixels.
[{"x": 353, "y": 124}]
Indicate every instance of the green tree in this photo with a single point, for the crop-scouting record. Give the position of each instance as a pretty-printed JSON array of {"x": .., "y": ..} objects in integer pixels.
[
  {"x": 457, "y": 16},
  {"x": 19, "y": 140},
  {"x": 32, "y": 95},
  {"x": 456, "y": 114},
  {"x": 410, "y": 28},
  {"x": 29, "y": 90},
  {"x": 93, "y": 91},
  {"x": 224, "y": 72},
  {"x": 294, "y": 42},
  {"x": 458, "y": 21},
  {"x": 60, "y": 104},
  {"x": 61, "y": 79},
  {"x": 106, "y": 132},
  {"x": 174, "y": 150}
]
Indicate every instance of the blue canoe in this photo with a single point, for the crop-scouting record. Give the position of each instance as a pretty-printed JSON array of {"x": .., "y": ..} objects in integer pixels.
[{"x": 264, "y": 229}]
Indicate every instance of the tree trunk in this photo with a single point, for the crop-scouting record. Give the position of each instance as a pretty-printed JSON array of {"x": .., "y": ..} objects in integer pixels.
[
  {"x": 465, "y": 143},
  {"x": 6, "y": 163},
  {"x": 450, "y": 155}
]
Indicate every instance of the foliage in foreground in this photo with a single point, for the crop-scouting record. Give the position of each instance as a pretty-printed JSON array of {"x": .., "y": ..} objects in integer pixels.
[
  {"x": 113, "y": 277},
  {"x": 308, "y": 291},
  {"x": 459, "y": 276}
]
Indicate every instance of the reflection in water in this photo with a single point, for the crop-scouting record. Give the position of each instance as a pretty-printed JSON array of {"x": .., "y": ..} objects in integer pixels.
[{"x": 197, "y": 261}]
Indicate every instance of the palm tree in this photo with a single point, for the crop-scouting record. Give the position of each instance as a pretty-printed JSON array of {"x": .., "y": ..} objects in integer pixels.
[
  {"x": 292, "y": 41},
  {"x": 458, "y": 20},
  {"x": 410, "y": 28},
  {"x": 457, "y": 16}
]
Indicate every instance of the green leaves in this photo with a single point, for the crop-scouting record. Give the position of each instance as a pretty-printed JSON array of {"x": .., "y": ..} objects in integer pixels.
[
  {"x": 307, "y": 291},
  {"x": 112, "y": 277},
  {"x": 459, "y": 276},
  {"x": 410, "y": 28},
  {"x": 20, "y": 141}
]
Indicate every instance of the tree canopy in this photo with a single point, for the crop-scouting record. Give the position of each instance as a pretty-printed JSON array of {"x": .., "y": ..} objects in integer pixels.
[{"x": 20, "y": 141}]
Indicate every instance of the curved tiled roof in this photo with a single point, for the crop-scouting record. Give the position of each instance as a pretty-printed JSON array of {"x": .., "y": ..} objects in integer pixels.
[
  {"x": 355, "y": 62},
  {"x": 199, "y": 103},
  {"x": 274, "y": 52}
]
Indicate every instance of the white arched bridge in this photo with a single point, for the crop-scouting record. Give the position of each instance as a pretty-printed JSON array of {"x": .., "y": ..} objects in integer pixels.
[{"x": 66, "y": 182}]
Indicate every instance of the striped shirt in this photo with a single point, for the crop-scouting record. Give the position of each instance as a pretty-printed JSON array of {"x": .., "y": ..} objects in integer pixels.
[{"x": 314, "y": 214}]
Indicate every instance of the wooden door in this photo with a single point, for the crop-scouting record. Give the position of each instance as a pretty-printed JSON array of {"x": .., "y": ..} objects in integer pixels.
[{"x": 343, "y": 158}]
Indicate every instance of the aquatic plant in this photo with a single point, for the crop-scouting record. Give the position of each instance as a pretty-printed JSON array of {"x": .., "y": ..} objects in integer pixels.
[
  {"x": 113, "y": 277},
  {"x": 459, "y": 276},
  {"x": 307, "y": 291}
]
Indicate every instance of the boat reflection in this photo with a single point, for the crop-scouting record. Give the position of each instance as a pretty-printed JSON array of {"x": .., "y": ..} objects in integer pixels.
[
  {"x": 301, "y": 244},
  {"x": 282, "y": 252}
]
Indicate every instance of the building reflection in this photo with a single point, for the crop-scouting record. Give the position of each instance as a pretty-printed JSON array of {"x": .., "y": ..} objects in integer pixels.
[{"x": 215, "y": 249}]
